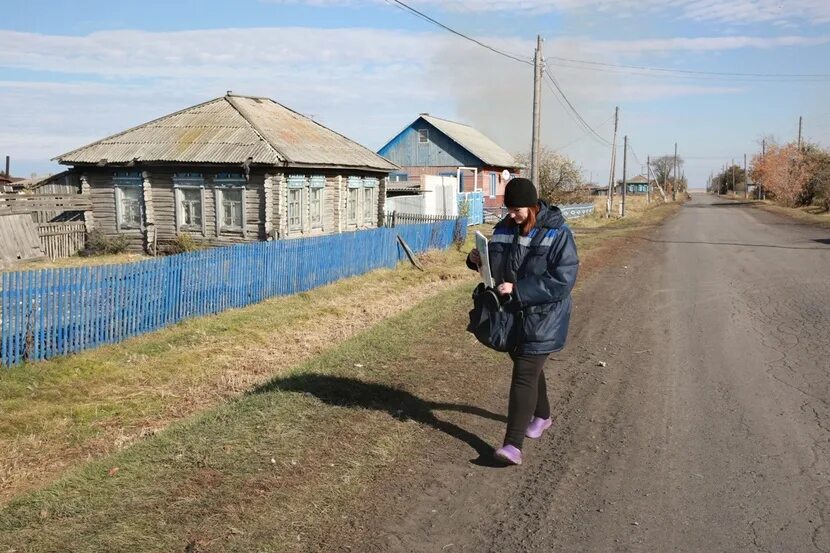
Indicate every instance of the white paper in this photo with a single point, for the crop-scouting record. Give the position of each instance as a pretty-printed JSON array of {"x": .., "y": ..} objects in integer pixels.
[{"x": 484, "y": 264}]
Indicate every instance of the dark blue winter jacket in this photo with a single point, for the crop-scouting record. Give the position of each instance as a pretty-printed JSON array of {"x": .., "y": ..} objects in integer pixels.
[{"x": 542, "y": 267}]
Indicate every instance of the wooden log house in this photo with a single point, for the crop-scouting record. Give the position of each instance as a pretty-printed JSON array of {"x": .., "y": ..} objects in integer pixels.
[{"x": 233, "y": 169}]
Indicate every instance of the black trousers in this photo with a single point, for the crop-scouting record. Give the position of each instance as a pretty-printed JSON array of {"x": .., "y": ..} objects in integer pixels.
[{"x": 528, "y": 396}]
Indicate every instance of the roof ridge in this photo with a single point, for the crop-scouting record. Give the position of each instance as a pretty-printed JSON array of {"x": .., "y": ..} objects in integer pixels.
[
  {"x": 254, "y": 126},
  {"x": 146, "y": 123},
  {"x": 448, "y": 121}
]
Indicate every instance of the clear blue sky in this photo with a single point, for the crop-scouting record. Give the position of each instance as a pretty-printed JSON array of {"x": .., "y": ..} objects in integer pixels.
[{"x": 73, "y": 72}]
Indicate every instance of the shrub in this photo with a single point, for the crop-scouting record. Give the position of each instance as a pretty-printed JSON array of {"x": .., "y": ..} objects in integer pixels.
[
  {"x": 98, "y": 243},
  {"x": 182, "y": 244}
]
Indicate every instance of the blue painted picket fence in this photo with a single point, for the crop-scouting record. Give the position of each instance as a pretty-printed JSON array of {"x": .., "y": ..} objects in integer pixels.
[{"x": 53, "y": 312}]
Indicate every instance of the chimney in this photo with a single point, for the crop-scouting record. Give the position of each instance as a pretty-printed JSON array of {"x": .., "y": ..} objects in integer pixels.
[{"x": 7, "y": 167}]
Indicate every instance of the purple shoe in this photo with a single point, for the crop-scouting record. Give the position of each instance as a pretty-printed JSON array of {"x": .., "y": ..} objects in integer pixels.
[
  {"x": 537, "y": 427},
  {"x": 509, "y": 454}
]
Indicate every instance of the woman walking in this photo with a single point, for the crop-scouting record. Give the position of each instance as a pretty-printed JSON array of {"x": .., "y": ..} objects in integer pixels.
[{"x": 534, "y": 264}]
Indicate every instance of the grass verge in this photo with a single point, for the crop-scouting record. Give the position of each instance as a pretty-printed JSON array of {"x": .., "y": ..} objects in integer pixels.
[
  {"x": 265, "y": 471},
  {"x": 74, "y": 408},
  {"x": 810, "y": 214}
]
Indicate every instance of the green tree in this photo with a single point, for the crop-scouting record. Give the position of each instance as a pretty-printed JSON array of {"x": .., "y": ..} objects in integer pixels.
[{"x": 723, "y": 180}]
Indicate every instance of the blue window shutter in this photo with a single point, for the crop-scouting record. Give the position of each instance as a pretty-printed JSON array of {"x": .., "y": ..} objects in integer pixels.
[{"x": 296, "y": 181}]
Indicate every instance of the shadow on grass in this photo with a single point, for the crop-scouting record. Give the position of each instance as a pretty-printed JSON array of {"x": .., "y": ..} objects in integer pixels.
[{"x": 402, "y": 405}]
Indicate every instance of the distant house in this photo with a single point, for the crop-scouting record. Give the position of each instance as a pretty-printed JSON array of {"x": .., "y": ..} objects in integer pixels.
[
  {"x": 9, "y": 184},
  {"x": 434, "y": 146},
  {"x": 634, "y": 185},
  {"x": 233, "y": 169}
]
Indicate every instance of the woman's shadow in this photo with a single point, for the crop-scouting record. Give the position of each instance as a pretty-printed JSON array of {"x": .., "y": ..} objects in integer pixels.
[{"x": 402, "y": 405}]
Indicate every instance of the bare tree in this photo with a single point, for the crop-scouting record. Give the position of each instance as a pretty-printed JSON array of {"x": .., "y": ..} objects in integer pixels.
[
  {"x": 559, "y": 175},
  {"x": 663, "y": 169}
]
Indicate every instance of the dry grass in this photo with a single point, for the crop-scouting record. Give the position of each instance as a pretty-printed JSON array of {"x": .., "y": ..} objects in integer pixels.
[
  {"x": 76, "y": 261},
  {"x": 270, "y": 470},
  {"x": 79, "y": 407},
  {"x": 811, "y": 214},
  {"x": 635, "y": 207}
]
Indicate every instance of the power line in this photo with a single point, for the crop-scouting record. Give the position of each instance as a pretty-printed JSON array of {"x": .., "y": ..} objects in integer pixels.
[
  {"x": 400, "y": 5},
  {"x": 574, "y": 111},
  {"x": 582, "y": 136},
  {"x": 631, "y": 149}
]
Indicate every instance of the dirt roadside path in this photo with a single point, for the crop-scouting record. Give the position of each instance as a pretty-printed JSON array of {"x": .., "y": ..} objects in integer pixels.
[{"x": 707, "y": 430}]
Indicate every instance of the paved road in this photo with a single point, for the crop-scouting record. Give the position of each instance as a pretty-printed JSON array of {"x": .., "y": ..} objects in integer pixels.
[{"x": 707, "y": 431}]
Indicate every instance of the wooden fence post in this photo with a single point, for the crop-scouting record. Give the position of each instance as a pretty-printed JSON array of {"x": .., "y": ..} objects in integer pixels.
[
  {"x": 149, "y": 214},
  {"x": 89, "y": 218}
]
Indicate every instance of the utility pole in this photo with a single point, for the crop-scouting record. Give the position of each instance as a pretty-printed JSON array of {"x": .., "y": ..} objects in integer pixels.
[
  {"x": 733, "y": 176},
  {"x": 674, "y": 184},
  {"x": 800, "y": 120},
  {"x": 538, "y": 67},
  {"x": 763, "y": 155},
  {"x": 648, "y": 178},
  {"x": 613, "y": 164},
  {"x": 625, "y": 172},
  {"x": 746, "y": 180}
]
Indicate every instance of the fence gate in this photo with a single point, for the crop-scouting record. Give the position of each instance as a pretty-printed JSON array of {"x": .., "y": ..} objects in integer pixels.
[{"x": 473, "y": 204}]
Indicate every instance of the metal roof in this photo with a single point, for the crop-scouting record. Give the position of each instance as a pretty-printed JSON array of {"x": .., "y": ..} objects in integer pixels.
[
  {"x": 231, "y": 129},
  {"x": 473, "y": 141},
  {"x": 639, "y": 179}
]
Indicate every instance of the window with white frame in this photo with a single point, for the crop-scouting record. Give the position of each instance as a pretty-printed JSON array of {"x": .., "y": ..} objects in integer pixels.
[
  {"x": 370, "y": 186},
  {"x": 296, "y": 188},
  {"x": 355, "y": 184},
  {"x": 316, "y": 191},
  {"x": 191, "y": 207},
  {"x": 230, "y": 202},
  {"x": 129, "y": 200},
  {"x": 423, "y": 136},
  {"x": 190, "y": 200}
]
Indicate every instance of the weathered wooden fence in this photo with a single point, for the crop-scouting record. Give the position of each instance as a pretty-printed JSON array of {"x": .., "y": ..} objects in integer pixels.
[
  {"x": 28, "y": 203},
  {"x": 54, "y": 312},
  {"x": 62, "y": 239}
]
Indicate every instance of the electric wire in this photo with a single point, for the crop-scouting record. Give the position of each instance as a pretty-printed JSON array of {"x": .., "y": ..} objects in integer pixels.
[
  {"x": 582, "y": 136},
  {"x": 574, "y": 111},
  {"x": 405, "y": 7}
]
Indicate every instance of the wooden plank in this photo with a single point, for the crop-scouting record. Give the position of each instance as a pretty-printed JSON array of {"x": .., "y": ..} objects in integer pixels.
[{"x": 18, "y": 239}]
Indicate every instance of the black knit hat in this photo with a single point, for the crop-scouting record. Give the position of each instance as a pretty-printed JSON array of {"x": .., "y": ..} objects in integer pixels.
[{"x": 520, "y": 192}]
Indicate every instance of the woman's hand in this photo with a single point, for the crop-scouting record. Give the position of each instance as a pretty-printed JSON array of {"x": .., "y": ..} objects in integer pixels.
[
  {"x": 475, "y": 257},
  {"x": 505, "y": 288}
]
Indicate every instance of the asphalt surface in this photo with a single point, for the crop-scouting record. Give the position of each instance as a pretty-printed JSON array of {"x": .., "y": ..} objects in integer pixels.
[{"x": 707, "y": 430}]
